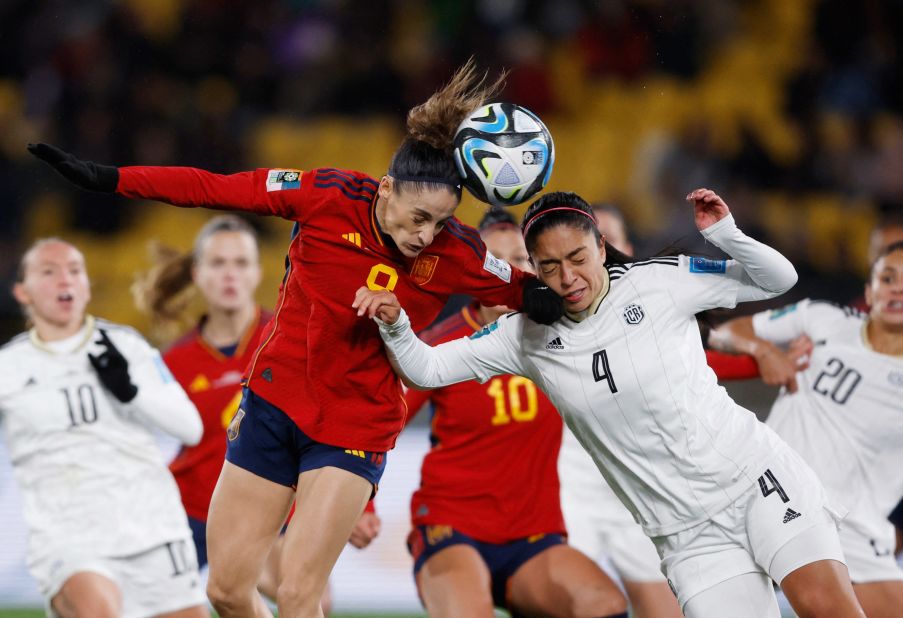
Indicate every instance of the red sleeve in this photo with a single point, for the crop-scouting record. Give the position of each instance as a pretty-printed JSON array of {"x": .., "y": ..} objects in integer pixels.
[
  {"x": 490, "y": 280},
  {"x": 732, "y": 366},
  {"x": 371, "y": 507},
  {"x": 262, "y": 191}
]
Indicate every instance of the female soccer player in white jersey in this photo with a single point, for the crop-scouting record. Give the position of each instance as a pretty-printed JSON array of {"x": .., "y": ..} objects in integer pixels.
[
  {"x": 846, "y": 419},
  {"x": 79, "y": 397},
  {"x": 624, "y": 365}
]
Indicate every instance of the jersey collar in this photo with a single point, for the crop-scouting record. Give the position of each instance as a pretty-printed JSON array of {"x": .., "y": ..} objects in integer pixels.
[
  {"x": 242, "y": 341},
  {"x": 82, "y": 338},
  {"x": 593, "y": 306}
]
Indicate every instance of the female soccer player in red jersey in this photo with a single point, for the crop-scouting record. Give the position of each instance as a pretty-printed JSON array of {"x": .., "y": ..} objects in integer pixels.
[
  {"x": 322, "y": 403},
  {"x": 208, "y": 361},
  {"x": 488, "y": 528}
]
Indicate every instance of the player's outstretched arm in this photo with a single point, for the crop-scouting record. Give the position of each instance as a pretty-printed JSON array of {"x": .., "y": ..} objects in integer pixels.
[
  {"x": 768, "y": 273},
  {"x": 180, "y": 186},
  {"x": 423, "y": 366},
  {"x": 777, "y": 367}
]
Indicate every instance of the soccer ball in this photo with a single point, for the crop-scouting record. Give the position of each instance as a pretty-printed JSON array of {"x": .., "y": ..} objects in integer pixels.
[{"x": 504, "y": 153}]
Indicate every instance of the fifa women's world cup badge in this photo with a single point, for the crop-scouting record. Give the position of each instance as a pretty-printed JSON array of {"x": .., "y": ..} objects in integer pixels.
[{"x": 235, "y": 425}]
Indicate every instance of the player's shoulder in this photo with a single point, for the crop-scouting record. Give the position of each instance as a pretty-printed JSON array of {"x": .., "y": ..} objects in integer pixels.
[
  {"x": 185, "y": 344},
  {"x": 120, "y": 330},
  {"x": 653, "y": 266},
  {"x": 15, "y": 345},
  {"x": 459, "y": 238},
  {"x": 349, "y": 184}
]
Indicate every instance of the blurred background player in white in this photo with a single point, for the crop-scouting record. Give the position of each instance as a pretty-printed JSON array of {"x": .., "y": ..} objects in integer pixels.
[
  {"x": 79, "y": 399},
  {"x": 846, "y": 419},
  {"x": 597, "y": 522},
  {"x": 697, "y": 470}
]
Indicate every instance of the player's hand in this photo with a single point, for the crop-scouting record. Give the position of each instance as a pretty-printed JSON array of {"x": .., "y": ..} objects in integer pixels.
[
  {"x": 113, "y": 370},
  {"x": 540, "y": 302},
  {"x": 799, "y": 352},
  {"x": 381, "y": 304},
  {"x": 777, "y": 368},
  {"x": 85, "y": 174},
  {"x": 365, "y": 530},
  {"x": 708, "y": 207}
]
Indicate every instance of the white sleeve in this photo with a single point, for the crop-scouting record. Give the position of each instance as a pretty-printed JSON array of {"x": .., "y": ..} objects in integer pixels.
[
  {"x": 756, "y": 272},
  {"x": 808, "y": 317},
  {"x": 491, "y": 351},
  {"x": 160, "y": 401}
]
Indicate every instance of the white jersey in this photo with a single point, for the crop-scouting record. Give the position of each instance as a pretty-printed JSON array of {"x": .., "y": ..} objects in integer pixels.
[
  {"x": 88, "y": 466},
  {"x": 846, "y": 419},
  {"x": 631, "y": 381}
]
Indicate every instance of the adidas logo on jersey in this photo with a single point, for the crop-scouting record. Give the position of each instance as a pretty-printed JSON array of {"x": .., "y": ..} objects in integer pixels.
[
  {"x": 790, "y": 515},
  {"x": 353, "y": 237},
  {"x": 555, "y": 344}
]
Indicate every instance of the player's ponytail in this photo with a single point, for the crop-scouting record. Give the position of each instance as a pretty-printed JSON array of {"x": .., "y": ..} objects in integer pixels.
[
  {"x": 424, "y": 159},
  {"x": 166, "y": 290}
]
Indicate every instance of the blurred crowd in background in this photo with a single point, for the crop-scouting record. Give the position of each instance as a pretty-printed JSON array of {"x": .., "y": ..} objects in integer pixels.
[{"x": 792, "y": 110}]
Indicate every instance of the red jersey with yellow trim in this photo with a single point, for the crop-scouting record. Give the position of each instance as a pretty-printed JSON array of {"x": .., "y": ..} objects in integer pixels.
[
  {"x": 493, "y": 470},
  {"x": 213, "y": 383},
  {"x": 319, "y": 362}
]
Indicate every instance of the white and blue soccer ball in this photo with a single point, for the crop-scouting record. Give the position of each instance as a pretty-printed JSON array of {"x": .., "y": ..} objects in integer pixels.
[{"x": 504, "y": 153}]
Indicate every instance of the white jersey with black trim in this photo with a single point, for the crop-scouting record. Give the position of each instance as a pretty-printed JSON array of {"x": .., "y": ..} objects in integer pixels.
[
  {"x": 88, "y": 466},
  {"x": 846, "y": 418},
  {"x": 631, "y": 380}
]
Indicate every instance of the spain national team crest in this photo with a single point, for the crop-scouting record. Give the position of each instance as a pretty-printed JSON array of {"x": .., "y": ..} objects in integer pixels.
[
  {"x": 633, "y": 314},
  {"x": 235, "y": 425},
  {"x": 423, "y": 268}
]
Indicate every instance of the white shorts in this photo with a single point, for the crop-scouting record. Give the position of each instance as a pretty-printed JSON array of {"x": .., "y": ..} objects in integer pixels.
[
  {"x": 781, "y": 524},
  {"x": 598, "y": 524},
  {"x": 160, "y": 580},
  {"x": 869, "y": 559}
]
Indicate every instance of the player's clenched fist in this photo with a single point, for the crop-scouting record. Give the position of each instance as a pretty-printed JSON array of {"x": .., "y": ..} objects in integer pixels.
[
  {"x": 380, "y": 304},
  {"x": 708, "y": 207}
]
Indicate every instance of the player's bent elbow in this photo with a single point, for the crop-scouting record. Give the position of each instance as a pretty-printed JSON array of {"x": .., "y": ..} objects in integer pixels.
[{"x": 194, "y": 433}]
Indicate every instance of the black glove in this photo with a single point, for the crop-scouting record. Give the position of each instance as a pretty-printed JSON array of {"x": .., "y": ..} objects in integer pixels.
[
  {"x": 113, "y": 370},
  {"x": 541, "y": 303},
  {"x": 85, "y": 174}
]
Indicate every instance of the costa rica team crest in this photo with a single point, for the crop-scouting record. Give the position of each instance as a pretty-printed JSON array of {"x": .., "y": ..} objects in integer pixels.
[
  {"x": 423, "y": 268},
  {"x": 633, "y": 314}
]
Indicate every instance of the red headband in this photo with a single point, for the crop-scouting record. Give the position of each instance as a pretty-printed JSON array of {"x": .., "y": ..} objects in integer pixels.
[{"x": 547, "y": 211}]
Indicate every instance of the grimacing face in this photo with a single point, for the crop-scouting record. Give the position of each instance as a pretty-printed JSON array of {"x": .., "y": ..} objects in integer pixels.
[
  {"x": 884, "y": 291},
  {"x": 413, "y": 218},
  {"x": 55, "y": 290},
  {"x": 571, "y": 262},
  {"x": 227, "y": 270}
]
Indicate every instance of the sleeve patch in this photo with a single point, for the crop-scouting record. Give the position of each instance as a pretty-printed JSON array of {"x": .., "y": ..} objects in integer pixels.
[
  {"x": 485, "y": 330},
  {"x": 499, "y": 268},
  {"x": 705, "y": 265},
  {"x": 774, "y": 314},
  {"x": 280, "y": 180}
]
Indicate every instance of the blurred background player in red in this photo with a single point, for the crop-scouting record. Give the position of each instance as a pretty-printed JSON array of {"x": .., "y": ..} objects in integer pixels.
[
  {"x": 488, "y": 529},
  {"x": 322, "y": 404}
]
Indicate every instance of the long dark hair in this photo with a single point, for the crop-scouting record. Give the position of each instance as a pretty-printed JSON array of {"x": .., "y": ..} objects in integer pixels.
[
  {"x": 426, "y": 152},
  {"x": 565, "y": 208}
]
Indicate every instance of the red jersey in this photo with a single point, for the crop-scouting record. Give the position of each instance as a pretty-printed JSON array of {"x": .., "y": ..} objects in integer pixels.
[
  {"x": 493, "y": 470},
  {"x": 319, "y": 362},
  {"x": 213, "y": 382}
]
